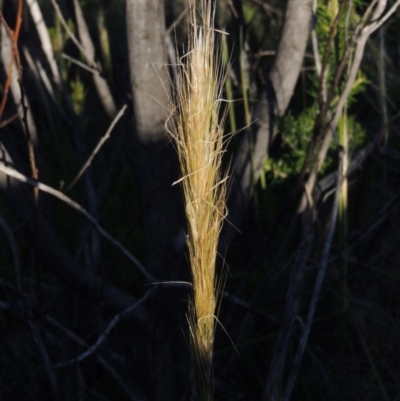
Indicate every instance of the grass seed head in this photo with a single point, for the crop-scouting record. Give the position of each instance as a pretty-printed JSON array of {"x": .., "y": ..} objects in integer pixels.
[{"x": 198, "y": 135}]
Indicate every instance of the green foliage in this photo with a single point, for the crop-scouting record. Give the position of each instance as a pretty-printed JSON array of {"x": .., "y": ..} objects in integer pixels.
[
  {"x": 104, "y": 43},
  {"x": 78, "y": 94},
  {"x": 295, "y": 133},
  {"x": 252, "y": 16},
  {"x": 58, "y": 36},
  {"x": 357, "y": 134},
  {"x": 326, "y": 14}
]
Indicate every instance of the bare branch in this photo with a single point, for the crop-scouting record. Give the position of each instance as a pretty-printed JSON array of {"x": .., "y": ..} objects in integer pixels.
[
  {"x": 104, "y": 335},
  {"x": 46, "y": 358},
  {"x": 84, "y": 66},
  {"x": 70, "y": 33},
  {"x": 14, "y": 249},
  {"x": 103, "y": 90},
  {"x": 97, "y": 148},
  {"x": 45, "y": 188},
  {"x": 272, "y": 103},
  {"x": 360, "y": 40},
  {"x": 45, "y": 40},
  {"x": 100, "y": 359},
  {"x": 318, "y": 285}
]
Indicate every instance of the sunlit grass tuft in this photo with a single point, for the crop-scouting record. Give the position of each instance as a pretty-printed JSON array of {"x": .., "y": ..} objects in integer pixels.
[{"x": 198, "y": 134}]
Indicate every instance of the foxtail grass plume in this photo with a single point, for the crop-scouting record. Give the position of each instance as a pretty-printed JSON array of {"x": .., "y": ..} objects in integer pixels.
[{"x": 198, "y": 128}]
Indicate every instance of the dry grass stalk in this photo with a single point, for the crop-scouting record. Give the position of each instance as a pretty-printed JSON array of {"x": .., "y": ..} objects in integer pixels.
[{"x": 198, "y": 134}]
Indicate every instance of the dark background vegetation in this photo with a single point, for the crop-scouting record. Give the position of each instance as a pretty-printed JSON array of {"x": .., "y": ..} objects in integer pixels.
[{"x": 310, "y": 308}]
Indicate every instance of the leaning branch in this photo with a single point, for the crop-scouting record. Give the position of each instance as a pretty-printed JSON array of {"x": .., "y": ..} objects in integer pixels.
[{"x": 57, "y": 194}]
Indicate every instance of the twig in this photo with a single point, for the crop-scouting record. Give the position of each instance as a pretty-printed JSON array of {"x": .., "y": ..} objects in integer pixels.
[
  {"x": 177, "y": 21},
  {"x": 330, "y": 180},
  {"x": 39, "y": 71},
  {"x": 362, "y": 333},
  {"x": 104, "y": 335},
  {"x": 45, "y": 188},
  {"x": 46, "y": 358},
  {"x": 14, "y": 39},
  {"x": 318, "y": 285},
  {"x": 45, "y": 41},
  {"x": 293, "y": 295},
  {"x": 15, "y": 54},
  {"x": 101, "y": 85},
  {"x": 97, "y": 148},
  {"x": 7, "y": 83},
  {"x": 263, "y": 53},
  {"x": 377, "y": 23},
  {"x": 390, "y": 207},
  {"x": 317, "y": 60},
  {"x": 268, "y": 8},
  {"x": 8, "y": 120},
  {"x": 249, "y": 307},
  {"x": 86, "y": 67},
  {"x": 360, "y": 38},
  {"x": 357, "y": 161},
  {"x": 110, "y": 369},
  {"x": 325, "y": 57},
  {"x": 233, "y": 9},
  {"x": 71, "y": 34},
  {"x": 14, "y": 248}
]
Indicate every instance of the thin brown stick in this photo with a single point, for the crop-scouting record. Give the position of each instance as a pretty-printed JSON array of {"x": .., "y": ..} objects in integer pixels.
[
  {"x": 8, "y": 120},
  {"x": 97, "y": 148},
  {"x": 318, "y": 284},
  {"x": 15, "y": 56},
  {"x": 45, "y": 188},
  {"x": 106, "y": 366},
  {"x": 14, "y": 39},
  {"x": 91, "y": 350},
  {"x": 360, "y": 38},
  {"x": 71, "y": 34},
  {"x": 177, "y": 21}
]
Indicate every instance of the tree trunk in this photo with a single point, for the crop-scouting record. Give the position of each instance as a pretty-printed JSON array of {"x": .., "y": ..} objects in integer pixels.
[
  {"x": 158, "y": 168},
  {"x": 273, "y": 102}
]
